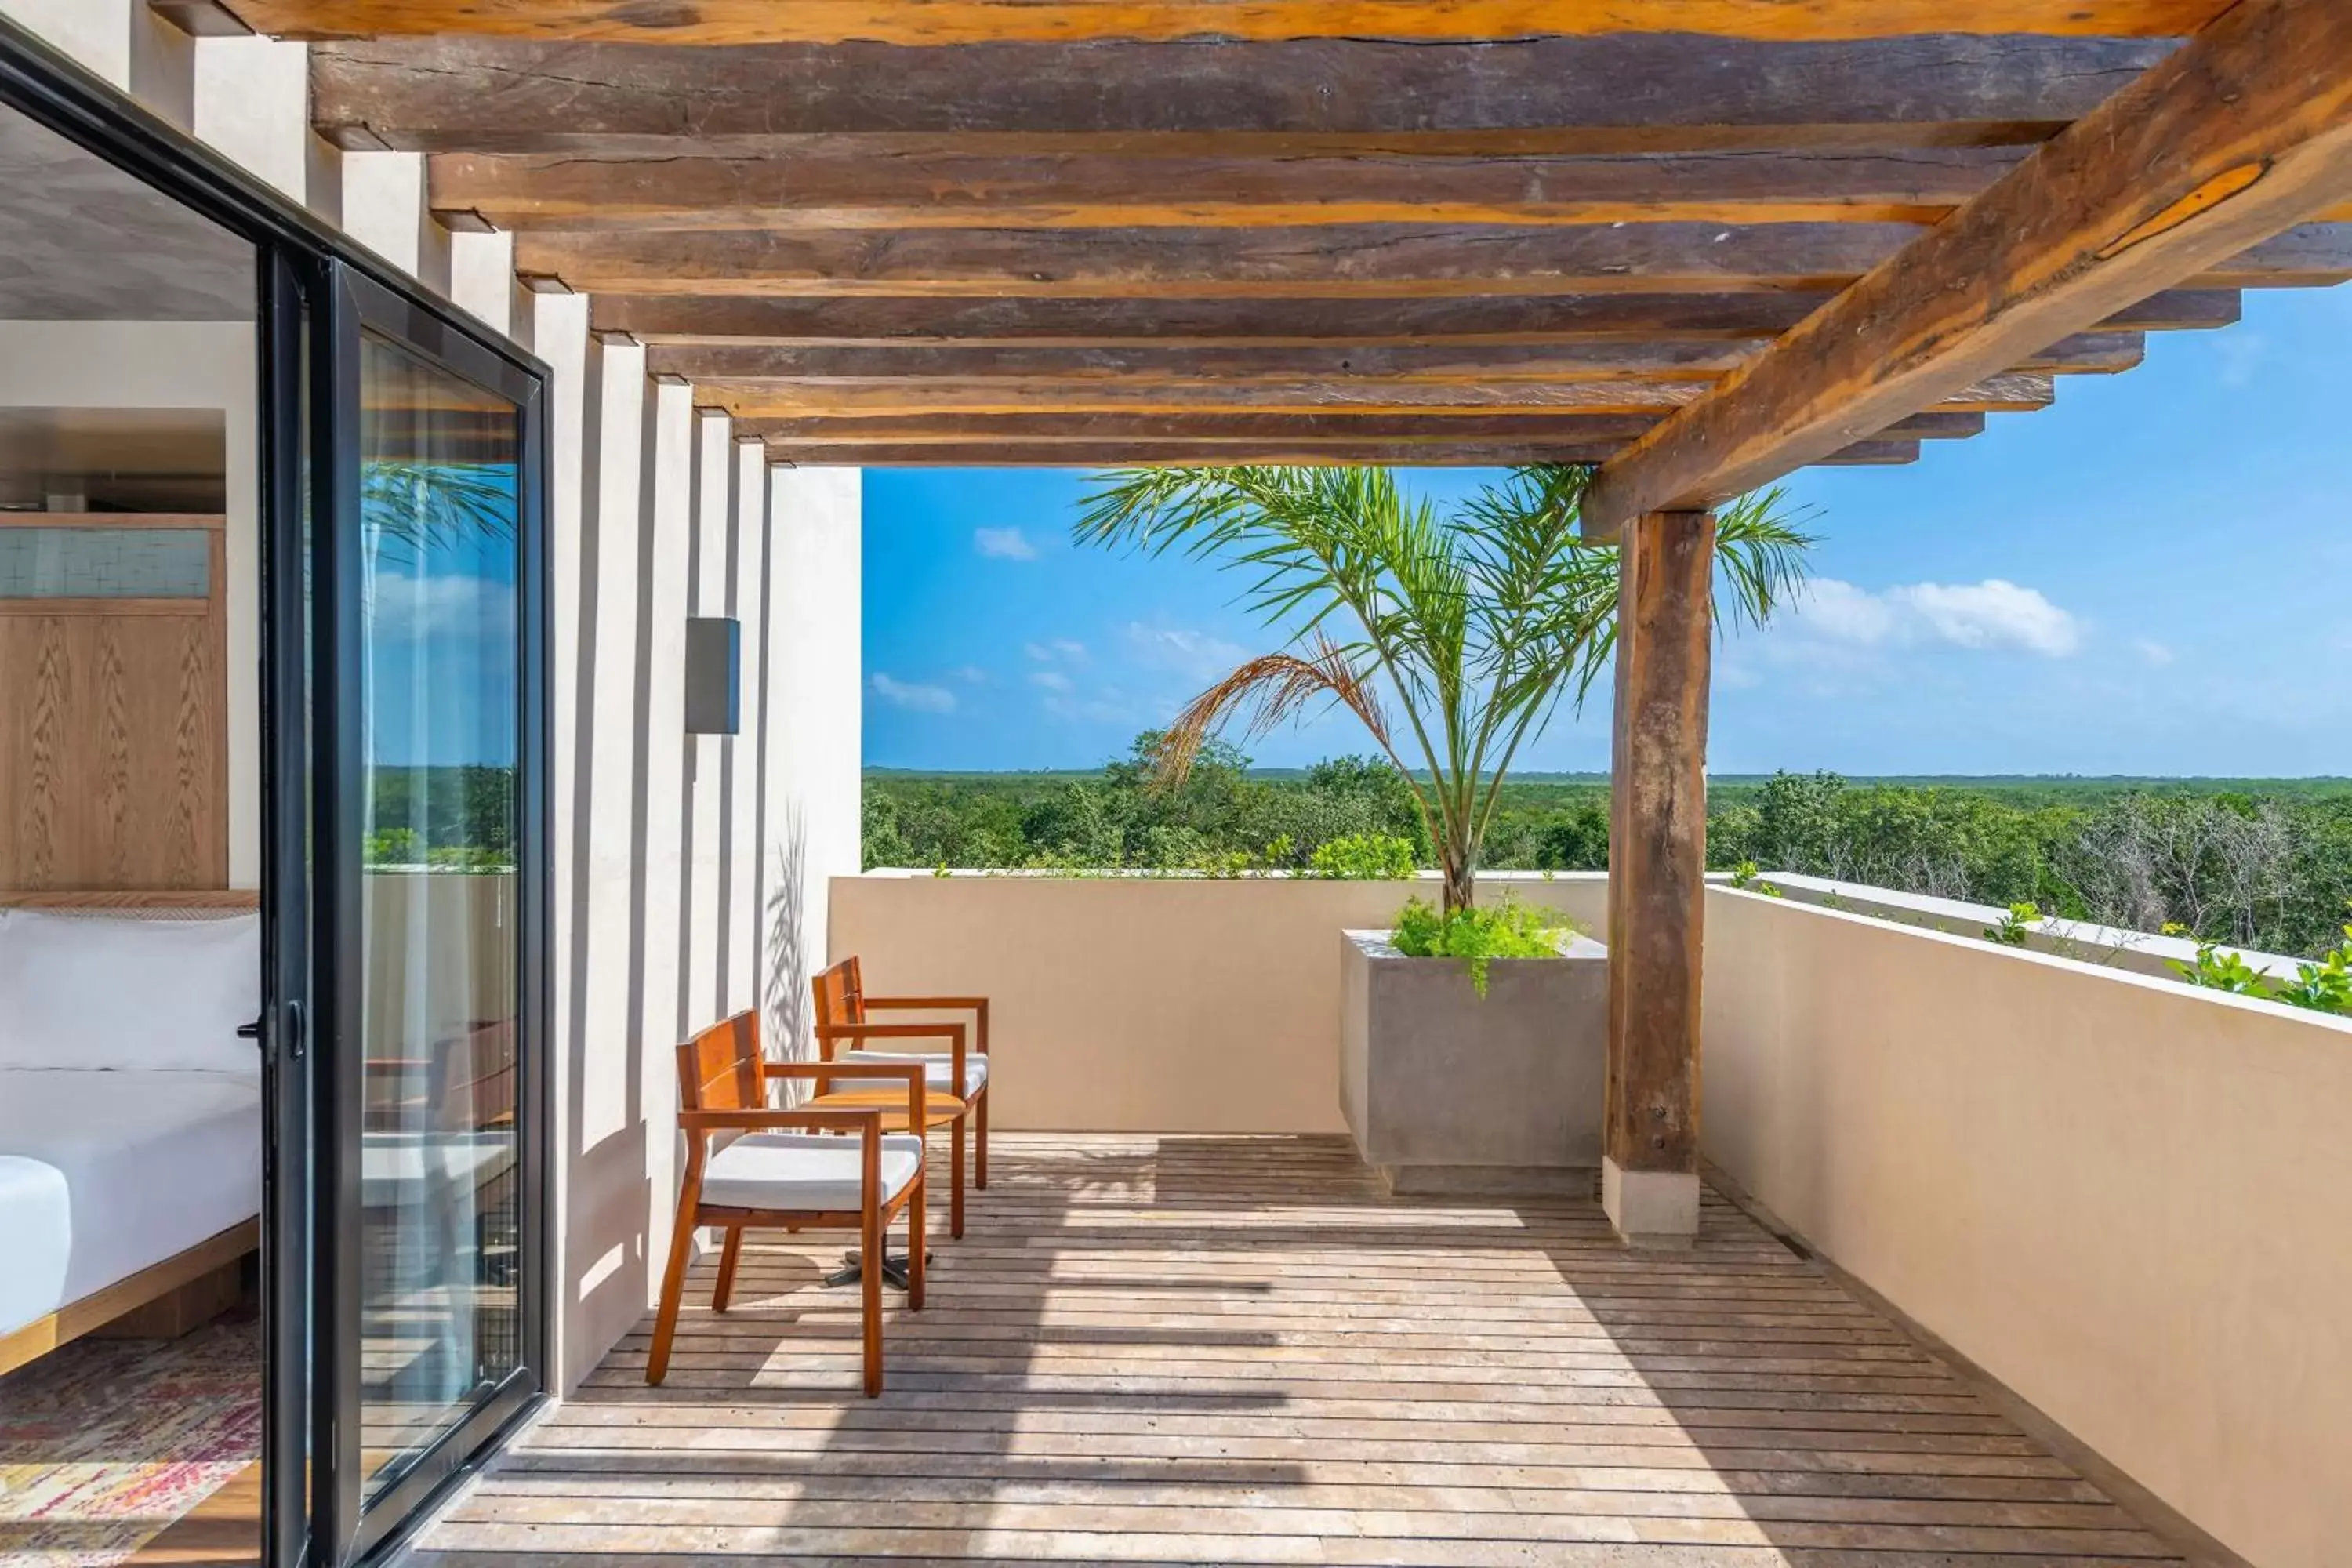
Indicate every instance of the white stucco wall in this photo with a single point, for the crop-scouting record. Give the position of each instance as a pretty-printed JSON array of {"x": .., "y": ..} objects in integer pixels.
[
  {"x": 667, "y": 849},
  {"x": 2121, "y": 1196}
]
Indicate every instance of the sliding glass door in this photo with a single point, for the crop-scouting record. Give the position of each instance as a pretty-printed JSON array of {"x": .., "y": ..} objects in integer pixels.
[{"x": 430, "y": 617}]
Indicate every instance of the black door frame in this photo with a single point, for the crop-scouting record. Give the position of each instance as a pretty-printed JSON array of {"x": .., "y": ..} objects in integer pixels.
[
  {"x": 311, "y": 282},
  {"x": 358, "y": 304}
]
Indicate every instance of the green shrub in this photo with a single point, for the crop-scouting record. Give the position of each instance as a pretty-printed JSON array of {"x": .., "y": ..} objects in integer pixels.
[
  {"x": 1479, "y": 933},
  {"x": 1365, "y": 857}
]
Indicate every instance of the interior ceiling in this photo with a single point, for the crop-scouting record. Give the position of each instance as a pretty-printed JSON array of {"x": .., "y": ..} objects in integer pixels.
[
  {"x": 1091, "y": 231},
  {"x": 81, "y": 240}
]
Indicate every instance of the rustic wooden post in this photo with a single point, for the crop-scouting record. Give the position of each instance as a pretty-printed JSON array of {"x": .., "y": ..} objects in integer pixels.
[{"x": 1657, "y": 862}]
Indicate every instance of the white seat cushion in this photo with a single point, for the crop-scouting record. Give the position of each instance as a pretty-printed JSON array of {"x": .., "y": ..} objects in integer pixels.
[
  {"x": 806, "y": 1173},
  {"x": 939, "y": 1074}
]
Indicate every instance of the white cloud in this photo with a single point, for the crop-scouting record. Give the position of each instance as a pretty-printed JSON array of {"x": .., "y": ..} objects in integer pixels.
[
  {"x": 2152, "y": 651},
  {"x": 1051, "y": 680},
  {"x": 1060, "y": 648},
  {"x": 1196, "y": 655},
  {"x": 1003, "y": 543},
  {"x": 971, "y": 675},
  {"x": 1993, "y": 613},
  {"x": 908, "y": 694}
]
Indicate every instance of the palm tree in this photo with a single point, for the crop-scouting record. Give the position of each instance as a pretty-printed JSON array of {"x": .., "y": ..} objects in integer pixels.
[{"x": 1477, "y": 623}]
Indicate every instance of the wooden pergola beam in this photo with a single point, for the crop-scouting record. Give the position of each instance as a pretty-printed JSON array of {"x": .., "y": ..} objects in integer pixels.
[
  {"x": 2244, "y": 131},
  {"x": 1300, "y": 430},
  {"x": 2007, "y": 393},
  {"x": 1534, "y": 319},
  {"x": 1251, "y": 364},
  {"x": 1345, "y": 261},
  {"x": 1524, "y": 92},
  {"x": 938, "y": 22},
  {"x": 1125, "y": 453},
  {"x": 948, "y": 183}
]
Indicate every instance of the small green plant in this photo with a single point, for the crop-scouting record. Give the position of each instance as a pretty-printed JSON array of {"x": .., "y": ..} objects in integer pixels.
[
  {"x": 1364, "y": 857},
  {"x": 1747, "y": 876},
  {"x": 1280, "y": 851},
  {"x": 2322, "y": 987},
  {"x": 2012, "y": 929},
  {"x": 1478, "y": 935},
  {"x": 2214, "y": 969}
]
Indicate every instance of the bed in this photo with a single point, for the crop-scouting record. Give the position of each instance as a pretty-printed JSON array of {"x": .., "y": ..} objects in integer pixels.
[{"x": 131, "y": 1125}]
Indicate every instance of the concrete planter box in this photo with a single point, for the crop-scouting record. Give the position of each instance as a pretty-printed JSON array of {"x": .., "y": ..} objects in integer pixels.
[{"x": 1449, "y": 1092}]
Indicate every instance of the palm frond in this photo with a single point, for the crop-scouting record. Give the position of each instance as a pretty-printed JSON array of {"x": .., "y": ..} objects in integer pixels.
[{"x": 1275, "y": 687}]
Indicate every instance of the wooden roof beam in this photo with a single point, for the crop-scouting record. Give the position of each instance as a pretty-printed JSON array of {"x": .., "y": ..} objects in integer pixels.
[
  {"x": 1518, "y": 92},
  {"x": 1533, "y": 318},
  {"x": 949, "y": 186},
  {"x": 2235, "y": 138},
  {"x": 2007, "y": 393},
  {"x": 1126, "y": 454},
  {"x": 1251, "y": 426},
  {"x": 935, "y": 22},
  {"x": 1376, "y": 260},
  {"x": 1177, "y": 362}
]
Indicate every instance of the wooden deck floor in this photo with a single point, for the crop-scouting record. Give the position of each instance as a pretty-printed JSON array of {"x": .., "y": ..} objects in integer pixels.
[{"x": 1228, "y": 1350}]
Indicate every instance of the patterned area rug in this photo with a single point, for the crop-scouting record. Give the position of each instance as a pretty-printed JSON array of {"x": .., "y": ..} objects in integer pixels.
[{"x": 103, "y": 1443}]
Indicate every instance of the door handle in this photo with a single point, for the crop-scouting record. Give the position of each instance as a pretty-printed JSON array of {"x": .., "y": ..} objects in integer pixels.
[{"x": 293, "y": 1031}]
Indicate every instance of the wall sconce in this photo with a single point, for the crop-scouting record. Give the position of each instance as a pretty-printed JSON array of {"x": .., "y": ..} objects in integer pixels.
[{"x": 714, "y": 674}]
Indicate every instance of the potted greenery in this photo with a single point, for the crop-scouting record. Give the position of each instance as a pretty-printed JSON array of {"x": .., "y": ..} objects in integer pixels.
[{"x": 1473, "y": 625}]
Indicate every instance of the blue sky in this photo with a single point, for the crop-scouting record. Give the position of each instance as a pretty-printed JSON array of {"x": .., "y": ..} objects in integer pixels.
[{"x": 2152, "y": 576}]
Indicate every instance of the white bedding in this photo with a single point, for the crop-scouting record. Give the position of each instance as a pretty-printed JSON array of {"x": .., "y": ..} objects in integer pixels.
[{"x": 103, "y": 1173}]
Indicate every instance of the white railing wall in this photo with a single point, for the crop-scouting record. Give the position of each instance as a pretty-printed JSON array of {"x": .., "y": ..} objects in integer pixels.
[{"x": 2125, "y": 1198}]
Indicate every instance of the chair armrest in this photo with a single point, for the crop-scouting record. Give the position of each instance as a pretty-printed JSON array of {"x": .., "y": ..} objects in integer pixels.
[
  {"x": 976, "y": 1004},
  {"x": 911, "y": 1073},
  {"x": 775, "y": 1121},
  {"x": 826, "y": 1034}
]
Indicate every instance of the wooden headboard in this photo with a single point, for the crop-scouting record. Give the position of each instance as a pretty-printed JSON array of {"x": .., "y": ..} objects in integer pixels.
[{"x": 113, "y": 730}]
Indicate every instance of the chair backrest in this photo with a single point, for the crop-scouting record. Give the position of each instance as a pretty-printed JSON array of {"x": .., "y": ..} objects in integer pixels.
[
  {"x": 840, "y": 996},
  {"x": 721, "y": 1068}
]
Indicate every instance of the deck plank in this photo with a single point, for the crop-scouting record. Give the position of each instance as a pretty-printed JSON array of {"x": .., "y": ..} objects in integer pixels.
[{"x": 1209, "y": 1349}]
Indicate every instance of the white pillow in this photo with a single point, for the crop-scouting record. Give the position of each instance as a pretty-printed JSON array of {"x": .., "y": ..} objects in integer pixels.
[{"x": 87, "y": 991}]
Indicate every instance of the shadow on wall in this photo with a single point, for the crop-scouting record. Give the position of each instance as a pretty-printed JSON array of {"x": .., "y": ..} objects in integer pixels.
[{"x": 784, "y": 990}]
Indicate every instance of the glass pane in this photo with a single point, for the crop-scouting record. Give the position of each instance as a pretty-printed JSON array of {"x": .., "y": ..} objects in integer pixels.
[
  {"x": 440, "y": 1175},
  {"x": 105, "y": 564}
]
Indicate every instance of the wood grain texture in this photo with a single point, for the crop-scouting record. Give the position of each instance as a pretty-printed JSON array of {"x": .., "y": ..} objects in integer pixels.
[
  {"x": 2111, "y": 210},
  {"x": 1226, "y": 1351},
  {"x": 1147, "y": 365},
  {"x": 1250, "y": 427},
  {"x": 1657, "y": 840},
  {"x": 953, "y": 184},
  {"x": 1143, "y": 323},
  {"x": 1620, "y": 92},
  {"x": 935, "y": 22},
  {"x": 113, "y": 740},
  {"x": 1127, "y": 452},
  {"x": 2015, "y": 391}
]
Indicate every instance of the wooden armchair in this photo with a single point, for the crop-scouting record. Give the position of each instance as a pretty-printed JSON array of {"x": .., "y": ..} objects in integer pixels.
[
  {"x": 957, "y": 1077},
  {"x": 790, "y": 1170}
]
